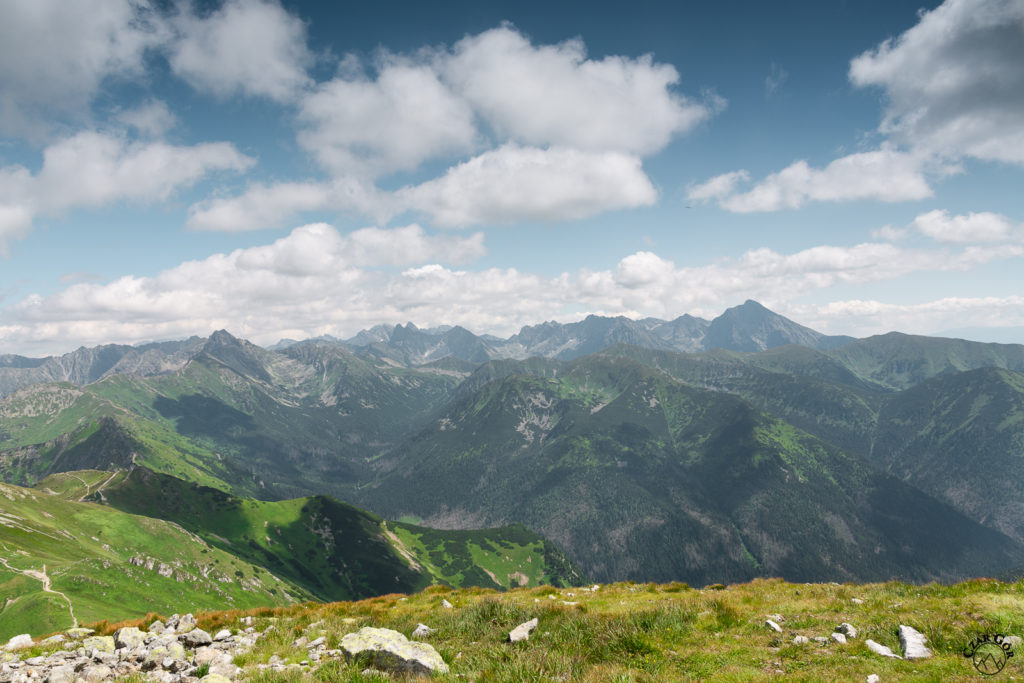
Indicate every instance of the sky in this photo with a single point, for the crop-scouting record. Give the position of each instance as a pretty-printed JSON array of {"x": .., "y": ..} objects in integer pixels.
[{"x": 290, "y": 168}]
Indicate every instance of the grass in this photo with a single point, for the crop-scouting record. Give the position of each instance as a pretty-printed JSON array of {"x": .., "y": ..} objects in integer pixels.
[{"x": 650, "y": 632}]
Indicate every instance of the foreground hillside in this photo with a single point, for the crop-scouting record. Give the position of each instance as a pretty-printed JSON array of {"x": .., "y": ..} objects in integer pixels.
[
  {"x": 64, "y": 559},
  {"x": 626, "y": 632}
]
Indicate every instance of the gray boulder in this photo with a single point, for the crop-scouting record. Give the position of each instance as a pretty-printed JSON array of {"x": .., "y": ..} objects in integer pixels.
[
  {"x": 771, "y": 625},
  {"x": 880, "y": 649},
  {"x": 847, "y": 630},
  {"x": 129, "y": 637},
  {"x": 197, "y": 637},
  {"x": 912, "y": 642},
  {"x": 387, "y": 649},
  {"x": 523, "y": 631},
  {"x": 19, "y": 642},
  {"x": 422, "y": 631},
  {"x": 65, "y": 673}
]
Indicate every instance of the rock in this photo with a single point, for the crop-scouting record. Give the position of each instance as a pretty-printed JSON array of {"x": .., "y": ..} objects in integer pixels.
[
  {"x": 129, "y": 637},
  {"x": 157, "y": 627},
  {"x": 838, "y": 638},
  {"x": 801, "y": 640},
  {"x": 54, "y": 640},
  {"x": 96, "y": 673},
  {"x": 100, "y": 643},
  {"x": 769, "y": 624},
  {"x": 858, "y": 601},
  {"x": 19, "y": 642},
  {"x": 446, "y": 604},
  {"x": 522, "y": 632},
  {"x": 879, "y": 649},
  {"x": 205, "y": 655},
  {"x": 65, "y": 673},
  {"x": 873, "y": 678},
  {"x": 389, "y": 649},
  {"x": 912, "y": 642},
  {"x": 821, "y": 640},
  {"x": 215, "y": 678},
  {"x": 320, "y": 642},
  {"x": 224, "y": 665},
  {"x": 422, "y": 631},
  {"x": 1014, "y": 641},
  {"x": 847, "y": 630},
  {"x": 78, "y": 633},
  {"x": 163, "y": 647},
  {"x": 222, "y": 634},
  {"x": 195, "y": 638},
  {"x": 185, "y": 624}
]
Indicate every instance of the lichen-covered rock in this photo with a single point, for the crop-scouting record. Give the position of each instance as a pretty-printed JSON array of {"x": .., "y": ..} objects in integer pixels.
[
  {"x": 129, "y": 637},
  {"x": 101, "y": 643},
  {"x": 422, "y": 631},
  {"x": 65, "y": 673},
  {"x": 197, "y": 637},
  {"x": 389, "y": 649},
  {"x": 78, "y": 632}
]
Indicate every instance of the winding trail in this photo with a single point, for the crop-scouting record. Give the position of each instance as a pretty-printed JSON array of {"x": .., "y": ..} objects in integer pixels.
[{"x": 41, "y": 576}]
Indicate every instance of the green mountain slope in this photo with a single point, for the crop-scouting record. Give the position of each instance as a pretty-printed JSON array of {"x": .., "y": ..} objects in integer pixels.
[
  {"x": 111, "y": 565},
  {"x": 638, "y": 475},
  {"x": 339, "y": 552}
]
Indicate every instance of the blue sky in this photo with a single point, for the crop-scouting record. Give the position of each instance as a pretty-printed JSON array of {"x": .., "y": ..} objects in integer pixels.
[{"x": 291, "y": 169}]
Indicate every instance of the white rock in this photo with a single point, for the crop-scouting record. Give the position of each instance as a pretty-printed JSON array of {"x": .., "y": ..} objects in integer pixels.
[
  {"x": 801, "y": 640},
  {"x": 880, "y": 649},
  {"x": 19, "y": 642},
  {"x": 912, "y": 643},
  {"x": 422, "y": 631},
  {"x": 858, "y": 601},
  {"x": 772, "y": 625},
  {"x": 522, "y": 632},
  {"x": 873, "y": 678},
  {"x": 446, "y": 604},
  {"x": 222, "y": 634},
  {"x": 838, "y": 638},
  {"x": 847, "y": 630},
  {"x": 389, "y": 649}
]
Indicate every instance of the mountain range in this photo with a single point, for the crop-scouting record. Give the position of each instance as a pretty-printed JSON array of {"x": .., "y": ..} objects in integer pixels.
[{"x": 644, "y": 449}]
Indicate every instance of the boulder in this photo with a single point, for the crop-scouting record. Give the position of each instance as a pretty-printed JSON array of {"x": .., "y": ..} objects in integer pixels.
[
  {"x": 65, "y": 673},
  {"x": 912, "y": 642},
  {"x": 446, "y": 604},
  {"x": 78, "y": 632},
  {"x": 223, "y": 634},
  {"x": 838, "y": 638},
  {"x": 163, "y": 647},
  {"x": 100, "y": 643},
  {"x": 387, "y": 649},
  {"x": 873, "y": 678},
  {"x": 215, "y": 678},
  {"x": 129, "y": 637},
  {"x": 801, "y": 640},
  {"x": 19, "y": 642},
  {"x": 880, "y": 649},
  {"x": 771, "y": 625},
  {"x": 96, "y": 673},
  {"x": 197, "y": 637},
  {"x": 523, "y": 631},
  {"x": 847, "y": 630}
]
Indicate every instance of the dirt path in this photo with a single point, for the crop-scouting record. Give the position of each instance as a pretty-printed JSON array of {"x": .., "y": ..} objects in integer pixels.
[
  {"x": 102, "y": 486},
  {"x": 41, "y": 576}
]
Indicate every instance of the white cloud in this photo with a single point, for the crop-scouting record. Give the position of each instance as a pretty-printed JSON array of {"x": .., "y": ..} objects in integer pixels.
[
  {"x": 252, "y": 47},
  {"x": 554, "y": 95},
  {"x": 152, "y": 118},
  {"x": 54, "y": 56},
  {"x": 972, "y": 228},
  {"x": 514, "y": 183},
  {"x": 93, "y": 169},
  {"x": 318, "y": 281},
  {"x": 955, "y": 81},
  {"x": 775, "y": 79},
  {"x": 399, "y": 120},
  {"x": 884, "y": 175}
]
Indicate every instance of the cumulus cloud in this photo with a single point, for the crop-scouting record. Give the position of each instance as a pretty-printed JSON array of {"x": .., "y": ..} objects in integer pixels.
[
  {"x": 319, "y": 281},
  {"x": 884, "y": 175},
  {"x": 554, "y": 95},
  {"x": 955, "y": 81},
  {"x": 972, "y": 228},
  {"x": 93, "y": 169},
  {"x": 153, "y": 118},
  {"x": 252, "y": 47},
  {"x": 954, "y": 86},
  {"x": 395, "y": 122},
  {"x": 85, "y": 43},
  {"x": 514, "y": 183}
]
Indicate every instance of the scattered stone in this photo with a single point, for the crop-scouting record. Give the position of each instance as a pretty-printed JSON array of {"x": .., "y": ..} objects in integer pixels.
[
  {"x": 300, "y": 642},
  {"x": 777, "y": 618},
  {"x": 215, "y": 678},
  {"x": 54, "y": 640},
  {"x": 839, "y": 638},
  {"x": 912, "y": 642},
  {"x": 195, "y": 638},
  {"x": 873, "y": 678},
  {"x": 19, "y": 642},
  {"x": 522, "y": 632},
  {"x": 65, "y": 673},
  {"x": 390, "y": 650},
  {"x": 801, "y": 640},
  {"x": 821, "y": 640},
  {"x": 320, "y": 642},
  {"x": 847, "y": 630},
  {"x": 422, "y": 631},
  {"x": 880, "y": 649},
  {"x": 858, "y": 601},
  {"x": 1014, "y": 641},
  {"x": 446, "y": 604},
  {"x": 769, "y": 624},
  {"x": 78, "y": 632}
]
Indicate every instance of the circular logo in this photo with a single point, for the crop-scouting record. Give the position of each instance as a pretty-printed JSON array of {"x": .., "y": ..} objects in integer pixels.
[{"x": 989, "y": 653}]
